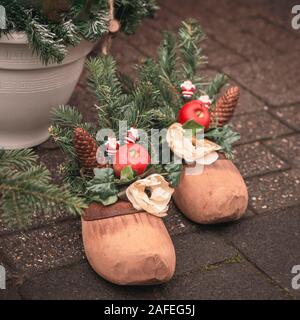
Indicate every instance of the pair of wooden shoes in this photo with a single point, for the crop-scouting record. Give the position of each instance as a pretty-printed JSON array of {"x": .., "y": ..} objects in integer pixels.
[{"x": 134, "y": 248}]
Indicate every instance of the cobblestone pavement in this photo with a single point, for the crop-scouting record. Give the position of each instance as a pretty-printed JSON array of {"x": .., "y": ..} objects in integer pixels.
[{"x": 253, "y": 43}]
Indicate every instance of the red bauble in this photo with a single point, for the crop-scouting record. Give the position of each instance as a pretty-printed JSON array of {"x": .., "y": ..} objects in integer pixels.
[
  {"x": 133, "y": 155},
  {"x": 195, "y": 110}
]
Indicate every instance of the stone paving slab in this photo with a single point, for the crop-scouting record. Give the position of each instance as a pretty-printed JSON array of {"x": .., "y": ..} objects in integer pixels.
[
  {"x": 228, "y": 34},
  {"x": 287, "y": 147},
  {"x": 243, "y": 42},
  {"x": 39, "y": 219},
  {"x": 217, "y": 282},
  {"x": 274, "y": 191},
  {"x": 84, "y": 100},
  {"x": 80, "y": 282},
  {"x": 277, "y": 12},
  {"x": 196, "y": 250},
  {"x": 275, "y": 36},
  {"x": 126, "y": 56},
  {"x": 218, "y": 55},
  {"x": 234, "y": 9},
  {"x": 43, "y": 249},
  {"x": 176, "y": 223},
  {"x": 271, "y": 242},
  {"x": 289, "y": 115},
  {"x": 273, "y": 80},
  {"x": 247, "y": 102},
  {"x": 257, "y": 126},
  {"x": 10, "y": 294},
  {"x": 230, "y": 281},
  {"x": 255, "y": 159},
  {"x": 146, "y": 40}
]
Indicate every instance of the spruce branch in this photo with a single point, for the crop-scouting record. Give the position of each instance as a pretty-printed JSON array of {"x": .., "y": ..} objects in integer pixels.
[
  {"x": 67, "y": 116},
  {"x": 139, "y": 111},
  {"x": 26, "y": 188},
  {"x": 104, "y": 81},
  {"x": 63, "y": 137},
  {"x": 167, "y": 56},
  {"x": 190, "y": 36},
  {"x": 17, "y": 159},
  {"x": 76, "y": 182}
]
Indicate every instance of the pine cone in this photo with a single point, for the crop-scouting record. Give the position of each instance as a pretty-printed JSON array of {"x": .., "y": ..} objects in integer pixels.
[
  {"x": 86, "y": 149},
  {"x": 225, "y": 106}
]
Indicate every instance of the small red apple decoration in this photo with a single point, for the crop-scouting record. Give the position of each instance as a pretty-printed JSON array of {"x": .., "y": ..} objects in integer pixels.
[
  {"x": 133, "y": 155},
  {"x": 195, "y": 110}
]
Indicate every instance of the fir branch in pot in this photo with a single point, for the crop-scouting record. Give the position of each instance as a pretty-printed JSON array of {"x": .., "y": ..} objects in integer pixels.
[{"x": 60, "y": 33}]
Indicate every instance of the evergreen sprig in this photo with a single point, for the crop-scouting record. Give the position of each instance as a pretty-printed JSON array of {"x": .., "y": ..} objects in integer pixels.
[
  {"x": 104, "y": 81},
  {"x": 16, "y": 159},
  {"x": 26, "y": 188},
  {"x": 190, "y": 36}
]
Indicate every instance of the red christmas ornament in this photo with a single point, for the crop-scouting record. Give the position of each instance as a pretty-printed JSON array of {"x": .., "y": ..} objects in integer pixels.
[
  {"x": 195, "y": 110},
  {"x": 132, "y": 136},
  {"x": 188, "y": 89},
  {"x": 133, "y": 155},
  {"x": 111, "y": 146}
]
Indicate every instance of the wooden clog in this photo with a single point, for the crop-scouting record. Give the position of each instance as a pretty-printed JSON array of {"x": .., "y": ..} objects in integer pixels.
[
  {"x": 127, "y": 247},
  {"x": 218, "y": 194}
]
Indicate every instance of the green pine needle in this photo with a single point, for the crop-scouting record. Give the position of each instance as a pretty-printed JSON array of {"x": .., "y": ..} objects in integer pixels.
[
  {"x": 190, "y": 36},
  {"x": 26, "y": 188}
]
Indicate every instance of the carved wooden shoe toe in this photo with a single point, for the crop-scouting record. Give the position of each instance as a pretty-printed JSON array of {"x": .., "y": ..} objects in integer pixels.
[
  {"x": 131, "y": 249},
  {"x": 219, "y": 194}
]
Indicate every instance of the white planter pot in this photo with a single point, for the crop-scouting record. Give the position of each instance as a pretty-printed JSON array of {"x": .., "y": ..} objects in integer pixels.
[{"x": 29, "y": 90}]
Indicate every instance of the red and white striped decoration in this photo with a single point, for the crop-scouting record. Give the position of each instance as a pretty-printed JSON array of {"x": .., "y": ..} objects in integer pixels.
[
  {"x": 206, "y": 100},
  {"x": 111, "y": 146},
  {"x": 132, "y": 136},
  {"x": 187, "y": 89}
]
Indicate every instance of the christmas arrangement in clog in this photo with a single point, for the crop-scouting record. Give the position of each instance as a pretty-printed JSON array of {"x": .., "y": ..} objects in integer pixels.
[
  {"x": 157, "y": 137},
  {"x": 124, "y": 237}
]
